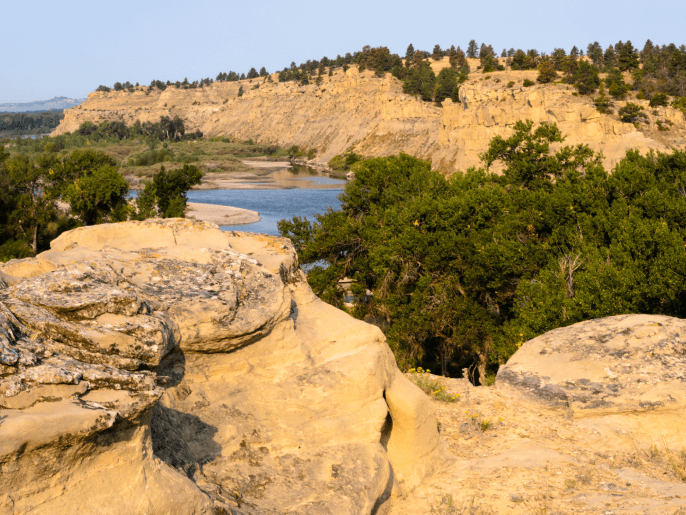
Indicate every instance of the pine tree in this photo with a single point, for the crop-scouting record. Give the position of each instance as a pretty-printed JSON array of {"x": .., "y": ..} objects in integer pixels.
[
  {"x": 446, "y": 83},
  {"x": 504, "y": 53},
  {"x": 437, "y": 54},
  {"x": 595, "y": 52},
  {"x": 558, "y": 58},
  {"x": 263, "y": 72},
  {"x": 252, "y": 74},
  {"x": 409, "y": 53},
  {"x": 574, "y": 52},
  {"x": 609, "y": 57},
  {"x": 628, "y": 57},
  {"x": 472, "y": 50},
  {"x": 647, "y": 51}
]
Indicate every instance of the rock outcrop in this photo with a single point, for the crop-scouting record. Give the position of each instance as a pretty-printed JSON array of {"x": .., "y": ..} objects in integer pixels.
[
  {"x": 583, "y": 419},
  {"x": 373, "y": 116},
  {"x": 620, "y": 364},
  {"x": 167, "y": 367}
]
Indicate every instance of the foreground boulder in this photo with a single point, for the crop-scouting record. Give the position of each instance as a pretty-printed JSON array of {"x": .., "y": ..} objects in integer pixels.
[
  {"x": 583, "y": 419},
  {"x": 168, "y": 367},
  {"x": 619, "y": 364}
]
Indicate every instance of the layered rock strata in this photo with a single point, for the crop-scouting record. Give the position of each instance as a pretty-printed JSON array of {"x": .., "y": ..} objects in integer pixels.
[
  {"x": 374, "y": 117},
  {"x": 167, "y": 367}
]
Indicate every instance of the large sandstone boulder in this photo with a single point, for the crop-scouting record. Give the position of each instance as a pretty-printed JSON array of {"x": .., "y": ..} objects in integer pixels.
[
  {"x": 168, "y": 367},
  {"x": 620, "y": 364}
]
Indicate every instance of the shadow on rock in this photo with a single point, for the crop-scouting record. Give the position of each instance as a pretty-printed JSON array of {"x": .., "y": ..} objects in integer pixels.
[{"x": 182, "y": 440}]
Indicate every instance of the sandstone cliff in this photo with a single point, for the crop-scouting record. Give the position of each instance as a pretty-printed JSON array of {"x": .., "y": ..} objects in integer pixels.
[
  {"x": 167, "y": 367},
  {"x": 373, "y": 116}
]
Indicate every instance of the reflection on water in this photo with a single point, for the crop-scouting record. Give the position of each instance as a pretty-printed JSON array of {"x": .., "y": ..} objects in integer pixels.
[
  {"x": 294, "y": 177},
  {"x": 303, "y": 192}
]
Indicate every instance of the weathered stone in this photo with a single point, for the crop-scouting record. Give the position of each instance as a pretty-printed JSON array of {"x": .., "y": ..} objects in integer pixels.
[
  {"x": 626, "y": 363},
  {"x": 200, "y": 374}
]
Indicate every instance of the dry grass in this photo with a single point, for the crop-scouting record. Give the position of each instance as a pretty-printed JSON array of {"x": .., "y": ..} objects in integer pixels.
[{"x": 446, "y": 505}]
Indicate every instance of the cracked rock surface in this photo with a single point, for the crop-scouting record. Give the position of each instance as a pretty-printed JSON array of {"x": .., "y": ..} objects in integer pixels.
[
  {"x": 167, "y": 367},
  {"x": 625, "y": 363}
]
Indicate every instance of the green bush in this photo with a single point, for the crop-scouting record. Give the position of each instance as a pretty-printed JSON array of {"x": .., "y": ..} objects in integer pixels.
[
  {"x": 659, "y": 99},
  {"x": 527, "y": 83},
  {"x": 151, "y": 157},
  {"x": 631, "y": 113},
  {"x": 344, "y": 162}
]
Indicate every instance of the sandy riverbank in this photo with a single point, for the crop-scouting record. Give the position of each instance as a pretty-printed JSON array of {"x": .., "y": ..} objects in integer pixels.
[{"x": 221, "y": 215}]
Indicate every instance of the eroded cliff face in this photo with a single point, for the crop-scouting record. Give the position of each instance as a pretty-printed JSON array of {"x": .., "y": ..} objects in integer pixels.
[
  {"x": 373, "y": 116},
  {"x": 167, "y": 367}
]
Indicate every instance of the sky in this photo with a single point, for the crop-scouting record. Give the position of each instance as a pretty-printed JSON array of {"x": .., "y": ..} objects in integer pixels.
[{"x": 69, "y": 48}]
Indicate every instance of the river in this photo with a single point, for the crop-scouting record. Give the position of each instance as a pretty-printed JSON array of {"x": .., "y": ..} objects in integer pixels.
[{"x": 302, "y": 193}]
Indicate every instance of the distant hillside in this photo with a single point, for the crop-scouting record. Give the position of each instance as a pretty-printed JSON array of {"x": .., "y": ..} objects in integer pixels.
[
  {"x": 371, "y": 115},
  {"x": 57, "y": 103}
]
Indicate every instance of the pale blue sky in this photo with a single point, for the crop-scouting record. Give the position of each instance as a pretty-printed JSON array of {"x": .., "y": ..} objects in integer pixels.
[{"x": 68, "y": 48}]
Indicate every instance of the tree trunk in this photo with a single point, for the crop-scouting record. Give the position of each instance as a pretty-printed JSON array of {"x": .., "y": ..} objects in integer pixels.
[
  {"x": 482, "y": 359},
  {"x": 35, "y": 239}
]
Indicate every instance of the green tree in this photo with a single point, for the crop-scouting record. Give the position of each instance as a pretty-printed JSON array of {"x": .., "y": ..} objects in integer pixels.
[
  {"x": 463, "y": 271},
  {"x": 631, "y": 113},
  {"x": 409, "y": 54},
  {"x": 33, "y": 200},
  {"x": 586, "y": 78},
  {"x": 615, "y": 83},
  {"x": 659, "y": 99},
  {"x": 166, "y": 195},
  {"x": 446, "y": 85},
  {"x": 420, "y": 81},
  {"x": 252, "y": 74},
  {"x": 609, "y": 57},
  {"x": 263, "y": 72},
  {"x": 438, "y": 53},
  {"x": 546, "y": 72},
  {"x": 472, "y": 50},
  {"x": 99, "y": 196},
  {"x": 628, "y": 57}
]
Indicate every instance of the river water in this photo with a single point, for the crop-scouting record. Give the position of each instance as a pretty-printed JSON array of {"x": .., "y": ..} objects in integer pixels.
[{"x": 307, "y": 193}]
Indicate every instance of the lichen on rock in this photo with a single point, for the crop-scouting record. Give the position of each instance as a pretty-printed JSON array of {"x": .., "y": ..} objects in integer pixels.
[{"x": 196, "y": 371}]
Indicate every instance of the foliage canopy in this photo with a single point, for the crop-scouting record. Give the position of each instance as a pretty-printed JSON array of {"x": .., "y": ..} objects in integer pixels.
[{"x": 462, "y": 271}]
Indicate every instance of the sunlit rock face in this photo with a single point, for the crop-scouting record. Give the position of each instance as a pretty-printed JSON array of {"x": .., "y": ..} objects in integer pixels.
[
  {"x": 166, "y": 367},
  {"x": 372, "y": 115}
]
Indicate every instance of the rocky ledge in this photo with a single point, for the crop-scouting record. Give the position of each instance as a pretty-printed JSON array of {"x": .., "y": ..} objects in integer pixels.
[{"x": 167, "y": 367}]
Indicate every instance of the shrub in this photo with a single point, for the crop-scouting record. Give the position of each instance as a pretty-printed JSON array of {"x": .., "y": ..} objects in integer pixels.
[
  {"x": 527, "y": 83},
  {"x": 344, "y": 162},
  {"x": 429, "y": 385},
  {"x": 659, "y": 99},
  {"x": 661, "y": 126},
  {"x": 631, "y": 113},
  {"x": 152, "y": 156},
  {"x": 510, "y": 84}
]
